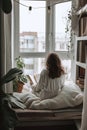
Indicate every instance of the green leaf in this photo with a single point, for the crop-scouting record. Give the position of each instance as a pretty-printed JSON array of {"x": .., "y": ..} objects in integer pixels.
[{"x": 11, "y": 74}]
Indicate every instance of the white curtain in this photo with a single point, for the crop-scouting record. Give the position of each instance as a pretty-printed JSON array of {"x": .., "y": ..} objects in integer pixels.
[
  {"x": 6, "y": 47},
  {"x": 2, "y": 45},
  {"x": 8, "y": 52}
]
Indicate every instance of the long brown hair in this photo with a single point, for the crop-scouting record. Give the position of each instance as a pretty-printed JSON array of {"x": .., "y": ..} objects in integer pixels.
[{"x": 54, "y": 67}]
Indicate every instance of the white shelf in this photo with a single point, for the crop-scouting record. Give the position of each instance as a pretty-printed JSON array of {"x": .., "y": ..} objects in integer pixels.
[
  {"x": 82, "y": 38},
  {"x": 83, "y": 65}
]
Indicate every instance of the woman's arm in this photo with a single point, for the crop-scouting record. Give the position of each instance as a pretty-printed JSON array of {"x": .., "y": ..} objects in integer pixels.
[{"x": 41, "y": 83}]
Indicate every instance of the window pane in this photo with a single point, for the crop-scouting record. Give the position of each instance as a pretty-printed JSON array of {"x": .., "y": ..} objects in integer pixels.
[
  {"x": 33, "y": 65},
  {"x": 62, "y": 35},
  {"x": 67, "y": 67},
  {"x": 32, "y": 26}
]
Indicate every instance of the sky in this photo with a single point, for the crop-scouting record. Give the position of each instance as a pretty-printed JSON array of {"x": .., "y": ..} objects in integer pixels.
[{"x": 34, "y": 20}]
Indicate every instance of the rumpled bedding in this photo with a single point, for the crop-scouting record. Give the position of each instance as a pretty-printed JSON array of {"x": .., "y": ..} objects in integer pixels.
[{"x": 70, "y": 96}]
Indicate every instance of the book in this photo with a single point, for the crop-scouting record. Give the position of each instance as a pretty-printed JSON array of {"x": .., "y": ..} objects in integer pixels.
[{"x": 32, "y": 79}]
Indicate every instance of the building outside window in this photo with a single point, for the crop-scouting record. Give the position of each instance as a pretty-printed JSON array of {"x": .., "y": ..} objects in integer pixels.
[{"x": 28, "y": 42}]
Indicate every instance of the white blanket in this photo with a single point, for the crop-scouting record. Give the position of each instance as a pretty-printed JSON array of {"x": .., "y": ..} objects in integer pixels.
[{"x": 70, "y": 96}]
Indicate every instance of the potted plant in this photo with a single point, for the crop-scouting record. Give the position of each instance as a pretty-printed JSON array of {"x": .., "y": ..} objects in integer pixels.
[
  {"x": 68, "y": 29},
  {"x": 8, "y": 118},
  {"x": 21, "y": 79}
]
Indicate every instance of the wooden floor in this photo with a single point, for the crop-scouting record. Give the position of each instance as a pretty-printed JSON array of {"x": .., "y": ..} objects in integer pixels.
[{"x": 64, "y": 127}]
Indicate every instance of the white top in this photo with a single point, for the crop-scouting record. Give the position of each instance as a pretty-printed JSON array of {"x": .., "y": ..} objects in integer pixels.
[{"x": 48, "y": 87}]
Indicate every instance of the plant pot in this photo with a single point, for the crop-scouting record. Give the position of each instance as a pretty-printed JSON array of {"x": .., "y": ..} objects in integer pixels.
[{"x": 20, "y": 86}]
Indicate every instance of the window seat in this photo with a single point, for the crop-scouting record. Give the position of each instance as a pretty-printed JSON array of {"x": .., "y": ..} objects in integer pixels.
[
  {"x": 27, "y": 117},
  {"x": 66, "y": 107}
]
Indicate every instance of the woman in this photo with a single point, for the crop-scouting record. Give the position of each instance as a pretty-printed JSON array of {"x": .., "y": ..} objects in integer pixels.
[{"x": 51, "y": 79}]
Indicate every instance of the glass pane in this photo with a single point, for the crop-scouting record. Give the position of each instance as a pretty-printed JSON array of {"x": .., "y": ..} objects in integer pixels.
[
  {"x": 33, "y": 65},
  {"x": 63, "y": 26},
  {"x": 67, "y": 66},
  {"x": 32, "y": 26}
]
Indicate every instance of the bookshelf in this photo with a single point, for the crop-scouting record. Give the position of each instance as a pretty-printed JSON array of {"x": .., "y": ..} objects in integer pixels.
[{"x": 81, "y": 48}]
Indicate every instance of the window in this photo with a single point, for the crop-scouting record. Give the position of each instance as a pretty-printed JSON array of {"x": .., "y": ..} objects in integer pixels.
[
  {"x": 37, "y": 31},
  {"x": 33, "y": 65},
  {"x": 62, "y": 39},
  {"x": 27, "y": 43},
  {"x": 32, "y": 25}
]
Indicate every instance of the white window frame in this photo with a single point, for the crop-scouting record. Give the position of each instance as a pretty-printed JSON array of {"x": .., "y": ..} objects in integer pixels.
[{"x": 50, "y": 33}]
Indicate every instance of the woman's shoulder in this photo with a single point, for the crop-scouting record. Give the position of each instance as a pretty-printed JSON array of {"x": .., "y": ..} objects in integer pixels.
[{"x": 44, "y": 71}]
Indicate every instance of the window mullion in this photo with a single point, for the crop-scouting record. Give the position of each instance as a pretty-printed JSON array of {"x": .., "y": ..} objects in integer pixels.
[
  {"x": 53, "y": 27},
  {"x": 16, "y": 30},
  {"x": 47, "y": 28},
  {"x": 33, "y": 55}
]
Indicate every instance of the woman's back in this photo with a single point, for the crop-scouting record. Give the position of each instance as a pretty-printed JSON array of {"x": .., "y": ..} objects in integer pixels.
[
  {"x": 52, "y": 78},
  {"x": 49, "y": 87}
]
